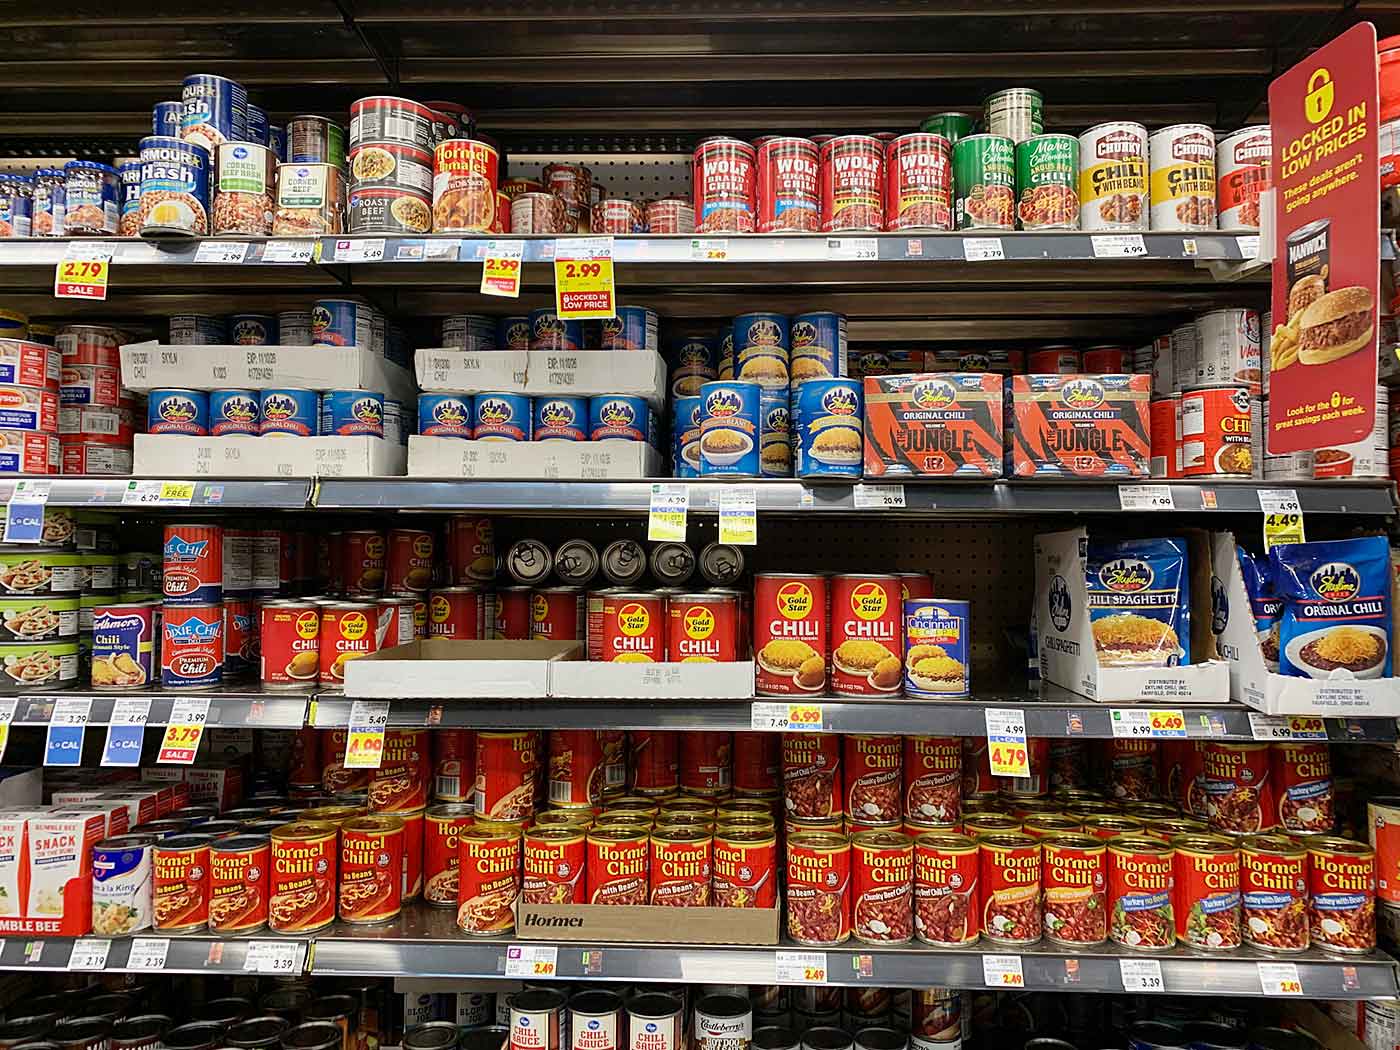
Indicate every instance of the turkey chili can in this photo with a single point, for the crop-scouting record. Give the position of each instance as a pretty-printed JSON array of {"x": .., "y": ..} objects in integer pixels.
[
  {"x": 867, "y": 635},
  {"x": 882, "y": 887},
  {"x": 818, "y": 888},
  {"x": 239, "y": 869},
  {"x": 180, "y": 882},
  {"x": 303, "y": 887},
  {"x": 488, "y": 878},
  {"x": 1047, "y": 181},
  {"x": 1341, "y": 895},
  {"x": 1239, "y": 791},
  {"x": 1140, "y": 893},
  {"x": 1206, "y": 891},
  {"x": 724, "y": 176},
  {"x": 441, "y": 840},
  {"x": 919, "y": 182},
  {"x": 1302, "y": 775},
  {"x": 984, "y": 183},
  {"x": 371, "y": 869},
  {"x": 790, "y": 634},
  {"x": 1274, "y": 893},
  {"x": 1074, "y": 874},
  {"x": 947, "y": 902},
  {"x": 1113, "y": 177},
  {"x": 788, "y": 197},
  {"x": 1010, "y": 875},
  {"x": 1183, "y": 177},
  {"x": 852, "y": 183}
]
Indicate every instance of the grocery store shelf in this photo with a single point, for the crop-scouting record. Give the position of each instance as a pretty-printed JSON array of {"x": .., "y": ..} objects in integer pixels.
[
  {"x": 230, "y": 707},
  {"x": 186, "y": 953},
  {"x": 111, "y": 493},
  {"x": 425, "y": 942}
]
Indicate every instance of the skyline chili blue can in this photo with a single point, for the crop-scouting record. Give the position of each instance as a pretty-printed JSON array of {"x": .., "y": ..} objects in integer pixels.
[
  {"x": 342, "y": 322},
  {"x": 561, "y": 419},
  {"x": 252, "y": 329},
  {"x": 618, "y": 417},
  {"x": 501, "y": 416},
  {"x": 729, "y": 429},
  {"x": 685, "y": 434},
  {"x": 351, "y": 412},
  {"x": 828, "y": 428},
  {"x": 288, "y": 410},
  {"x": 233, "y": 412},
  {"x": 513, "y": 333},
  {"x": 818, "y": 347},
  {"x": 549, "y": 332},
  {"x": 632, "y": 328},
  {"x": 445, "y": 415},
  {"x": 176, "y": 410},
  {"x": 935, "y": 648}
]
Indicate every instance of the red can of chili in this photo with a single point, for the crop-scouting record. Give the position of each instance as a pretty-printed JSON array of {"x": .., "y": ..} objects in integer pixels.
[
  {"x": 1341, "y": 894},
  {"x": 557, "y": 614},
  {"x": 852, "y": 180},
  {"x": 413, "y": 825},
  {"x": 789, "y": 634},
  {"x": 1074, "y": 874},
  {"x": 705, "y": 762},
  {"x": 1302, "y": 774},
  {"x": 505, "y": 774},
  {"x": 454, "y": 764},
  {"x": 867, "y": 633},
  {"x": 788, "y": 200},
  {"x": 371, "y": 869},
  {"x": 441, "y": 841},
  {"x": 655, "y": 762},
  {"x": 304, "y": 875},
  {"x": 702, "y": 627},
  {"x": 634, "y": 628},
  {"x": 812, "y": 775},
  {"x": 1140, "y": 893},
  {"x": 614, "y": 745},
  {"x": 947, "y": 901},
  {"x": 680, "y": 866},
  {"x": 882, "y": 887},
  {"x": 1274, "y": 893},
  {"x": 723, "y": 178},
  {"x": 757, "y": 758},
  {"x": 745, "y": 867},
  {"x": 1009, "y": 874},
  {"x": 1069, "y": 765},
  {"x": 488, "y": 878},
  {"x": 1239, "y": 793},
  {"x": 1206, "y": 891},
  {"x": 238, "y": 874},
  {"x": 873, "y": 778},
  {"x": 180, "y": 883},
  {"x": 819, "y": 888},
  {"x": 1132, "y": 769},
  {"x": 575, "y": 767},
  {"x": 919, "y": 182},
  {"x": 400, "y": 784},
  {"x": 933, "y": 779},
  {"x": 455, "y": 612},
  {"x": 410, "y": 561},
  {"x": 555, "y": 859},
  {"x": 617, "y": 865}
]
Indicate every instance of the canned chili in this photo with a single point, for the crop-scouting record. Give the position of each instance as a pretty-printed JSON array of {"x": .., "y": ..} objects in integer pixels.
[
  {"x": 348, "y": 631},
  {"x": 1341, "y": 894},
  {"x": 400, "y": 783},
  {"x": 705, "y": 762},
  {"x": 238, "y": 881},
  {"x": 488, "y": 878},
  {"x": 454, "y": 764},
  {"x": 304, "y": 860},
  {"x": 819, "y": 888},
  {"x": 555, "y": 859},
  {"x": 757, "y": 760},
  {"x": 947, "y": 902},
  {"x": 812, "y": 775},
  {"x": 290, "y": 632},
  {"x": 1383, "y": 830},
  {"x": 873, "y": 779},
  {"x": 790, "y": 634},
  {"x": 919, "y": 186},
  {"x": 745, "y": 867},
  {"x": 852, "y": 170},
  {"x": 1206, "y": 891},
  {"x": 788, "y": 198},
  {"x": 1046, "y": 825},
  {"x": 441, "y": 844},
  {"x": 634, "y": 628},
  {"x": 456, "y": 612},
  {"x": 867, "y": 635},
  {"x": 575, "y": 767},
  {"x": 655, "y": 763},
  {"x": 882, "y": 887},
  {"x": 511, "y": 616},
  {"x": 1274, "y": 893},
  {"x": 180, "y": 882},
  {"x": 702, "y": 628},
  {"x": 1132, "y": 769},
  {"x": 1009, "y": 872},
  {"x": 362, "y": 562},
  {"x": 1140, "y": 893},
  {"x": 557, "y": 613},
  {"x": 617, "y": 865},
  {"x": 371, "y": 869},
  {"x": 1239, "y": 793},
  {"x": 410, "y": 561},
  {"x": 724, "y": 177},
  {"x": 1075, "y": 877},
  {"x": 680, "y": 867},
  {"x": 505, "y": 774},
  {"x": 1302, "y": 774}
]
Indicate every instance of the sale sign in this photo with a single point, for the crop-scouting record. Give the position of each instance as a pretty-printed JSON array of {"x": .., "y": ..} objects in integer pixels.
[
  {"x": 1326, "y": 178},
  {"x": 583, "y": 278}
]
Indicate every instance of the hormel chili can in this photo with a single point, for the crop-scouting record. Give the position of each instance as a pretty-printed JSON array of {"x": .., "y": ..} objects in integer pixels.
[
  {"x": 238, "y": 880},
  {"x": 788, "y": 201},
  {"x": 867, "y": 634},
  {"x": 193, "y": 571},
  {"x": 1239, "y": 791},
  {"x": 455, "y": 612},
  {"x": 819, "y": 888},
  {"x": 192, "y": 646},
  {"x": 511, "y": 618},
  {"x": 1215, "y": 432},
  {"x": 441, "y": 835},
  {"x": 723, "y": 177},
  {"x": 290, "y": 632},
  {"x": 882, "y": 887},
  {"x": 576, "y": 772},
  {"x": 634, "y": 628},
  {"x": 1140, "y": 893},
  {"x": 1341, "y": 895},
  {"x": 933, "y": 779},
  {"x": 919, "y": 183},
  {"x": 454, "y": 764},
  {"x": 790, "y": 634},
  {"x": 304, "y": 874},
  {"x": 348, "y": 631},
  {"x": 1383, "y": 824},
  {"x": 705, "y": 762},
  {"x": 757, "y": 763},
  {"x": 655, "y": 763},
  {"x": 680, "y": 867},
  {"x": 812, "y": 785},
  {"x": 947, "y": 904},
  {"x": 371, "y": 869},
  {"x": 852, "y": 177},
  {"x": 505, "y": 774},
  {"x": 617, "y": 866},
  {"x": 1274, "y": 893},
  {"x": 670, "y": 215},
  {"x": 410, "y": 561},
  {"x": 873, "y": 779},
  {"x": 401, "y": 781},
  {"x": 744, "y": 867},
  {"x": 1074, "y": 874},
  {"x": 180, "y": 882},
  {"x": 702, "y": 628},
  {"x": 488, "y": 878},
  {"x": 361, "y": 558},
  {"x": 471, "y": 549},
  {"x": 1206, "y": 891},
  {"x": 557, "y": 614},
  {"x": 1302, "y": 774},
  {"x": 1009, "y": 875},
  {"x": 554, "y": 863}
]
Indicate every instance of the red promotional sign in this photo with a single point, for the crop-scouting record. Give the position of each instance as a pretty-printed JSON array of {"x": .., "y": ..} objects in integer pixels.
[{"x": 1326, "y": 177}]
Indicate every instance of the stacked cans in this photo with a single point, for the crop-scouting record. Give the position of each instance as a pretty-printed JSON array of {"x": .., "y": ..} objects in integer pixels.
[
  {"x": 391, "y": 166},
  {"x": 96, "y": 418},
  {"x": 30, "y": 374},
  {"x": 507, "y": 416},
  {"x": 272, "y": 411}
]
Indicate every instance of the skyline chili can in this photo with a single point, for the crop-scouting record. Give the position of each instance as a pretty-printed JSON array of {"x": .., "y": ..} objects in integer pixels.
[
  {"x": 233, "y": 412},
  {"x": 501, "y": 416},
  {"x": 351, "y": 412},
  {"x": 560, "y": 419},
  {"x": 289, "y": 411},
  {"x": 177, "y": 411},
  {"x": 617, "y": 417},
  {"x": 445, "y": 415}
]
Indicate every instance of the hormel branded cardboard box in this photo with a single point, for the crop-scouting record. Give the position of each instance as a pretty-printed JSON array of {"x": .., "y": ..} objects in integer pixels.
[
  {"x": 1254, "y": 684},
  {"x": 646, "y": 924},
  {"x": 46, "y": 872},
  {"x": 1069, "y": 656}
]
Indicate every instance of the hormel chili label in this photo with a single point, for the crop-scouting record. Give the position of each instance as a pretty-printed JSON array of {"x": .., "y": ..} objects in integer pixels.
[
  {"x": 401, "y": 781},
  {"x": 1206, "y": 892},
  {"x": 555, "y": 859},
  {"x": 617, "y": 866},
  {"x": 371, "y": 869},
  {"x": 1075, "y": 880},
  {"x": 947, "y": 903},
  {"x": 882, "y": 887},
  {"x": 1010, "y": 880},
  {"x": 1140, "y": 893},
  {"x": 790, "y": 635},
  {"x": 488, "y": 871},
  {"x": 1341, "y": 895},
  {"x": 745, "y": 869},
  {"x": 238, "y": 878},
  {"x": 873, "y": 778},
  {"x": 442, "y": 837},
  {"x": 818, "y": 888},
  {"x": 180, "y": 883},
  {"x": 933, "y": 778},
  {"x": 1302, "y": 774},
  {"x": 812, "y": 775},
  {"x": 867, "y": 635},
  {"x": 680, "y": 868},
  {"x": 1239, "y": 793}
]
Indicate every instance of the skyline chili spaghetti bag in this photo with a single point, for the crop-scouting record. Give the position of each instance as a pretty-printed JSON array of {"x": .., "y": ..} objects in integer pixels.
[
  {"x": 1139, "y": 602},
  {"x": 1336, "y": 607}
]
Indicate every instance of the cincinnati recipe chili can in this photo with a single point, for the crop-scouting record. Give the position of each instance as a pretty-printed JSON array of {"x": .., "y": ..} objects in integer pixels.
[
  {"x": 790, "y": 634},
  {"x": 488, "y": 878},
  {"x": 304, "y": 875},
  {"x": 371, "y": 869},
  {"x": 947, "y": 902},
  {"x": 442, "y": 833},
  {"x": 239, "y": 873}
]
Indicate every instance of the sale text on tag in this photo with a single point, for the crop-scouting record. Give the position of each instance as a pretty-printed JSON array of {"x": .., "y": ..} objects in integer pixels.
[
  {"x": 82, "y": 278},
  {"x": 501, "y": 268},
  {"x": 364, "y": 742},
  {"x": 184, "y": 732},
  {"x": 583, "y": 278},
  {"x": 1006, "y": 742}
]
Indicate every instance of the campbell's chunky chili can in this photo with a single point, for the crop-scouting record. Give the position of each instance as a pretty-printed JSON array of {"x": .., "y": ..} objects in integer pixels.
[
  {"x": 788, "y": 198},
  {"x": 790, "y": 634},
  {"x": 919, "y": 183},
  {"x": 1341, "y": 895},
  {"x": 882, "y": 887},
  {"x": 819, "y": 888},
  {"x": 488, "y": 878},
  {"x": 554, "y": 863},
  {"x": 442, "y": 834},
  {"x": 1010, "y": 877},
  {"x": 812, "y": 786},
  {"x": 867, "y": 635},
  {"x": 947, "y": 903},
  {"x": 724, "y": 177},
  {"x": 852, "y": 169}
]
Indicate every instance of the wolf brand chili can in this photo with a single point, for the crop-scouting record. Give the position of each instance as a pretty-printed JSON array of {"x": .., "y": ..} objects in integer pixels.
[
  {"x": 984, "y": 182},
  {"x": 371, "y": 869},
  {"x": 852, "y": 183},
  {"x": 1183, "y": 177},
  {"x": 488, "y": 873},
  {"x": 1341, "y": 895},
  {"x": 919, "y": 182},
  {"x": 239, "y": 871},
  {"x": 788, "y": 198},
  {"x": 790, "y": 634},
  {"x": 724, "y": 176},
  {"x": 1242, "y": 161},
  {"x": 1206, "y": 892},
  {"x": 818, "y": 888},
  {"x": 1047, "y": 178},
  {"x": 441, "y": 839},
  {"x": 947, "y": 901},
  {"x": 634, "y": 628},
  {"x": 1113, "y": 183},
  {"x": 192, "y": 646},
  {"x": 867, "y": 634},
  {"x": 506, "y": 764},
  {"x": 1215, "y": 432},
  {"x": 936, "y": 645}
]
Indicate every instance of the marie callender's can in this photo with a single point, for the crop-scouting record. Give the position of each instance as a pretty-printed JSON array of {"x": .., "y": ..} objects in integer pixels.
[
  {"x": 1047, "y": 182},
  {"x": 984, "y": 183}
]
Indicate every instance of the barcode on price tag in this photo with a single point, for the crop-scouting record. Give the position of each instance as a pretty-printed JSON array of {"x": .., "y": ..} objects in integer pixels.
[
  {"x": 1002, "y": 971},
  {"x": 531, "y": 960},
  {"x": 1280, "y": 979},
  {"x": 1146, "y": 497},
  {"x": 285, "y": 957},
  {"x": 1286, "y": 727},
  {"x": 982, "y": 249},
  {"x": 799, "y": 967},
  {"x": 1118, "y": 246},
  {"x": 287, "y": 251},
  {"x": 1132, "y": 723},
  {"x": 1006, "y": 742},
  {"x": 365, "y": 249},
  {"x": 71, "y": 711},
  {"x": 1141, "y": 975},
  {"x": 878, "y": 497},
  {"x": 89, "y": 954},
  {"x": 148, "y": 953},
  {"x": 221, "y": 252}
]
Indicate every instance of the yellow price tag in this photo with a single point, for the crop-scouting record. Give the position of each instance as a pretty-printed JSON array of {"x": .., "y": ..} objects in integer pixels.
[
  {"x": 176, "y": 492},
  {"x": 81, "y": 279},
  {"x": 544, "y": 967},
  {"x": 805, "y": 715},
  {"x": 666, "y": 517},
  {"x": 4, "y": 738},
  {"x": 1302, "y": 727},
  {"x": 583, "y": 278},
  {"x": 180, "y": 744},
  {"x": 1167, "y": 723},
  {"x": 1009, "y": 760},
  {"x": 1282, "y": 528},
  {"x": 364, "y": 749},
  {"x": 501, "y": 269}
]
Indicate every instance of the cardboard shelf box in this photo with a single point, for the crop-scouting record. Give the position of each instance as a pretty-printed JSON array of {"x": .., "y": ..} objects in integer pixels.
[
  {"x": 150, "y": 366},
  {"x": 539, "y": 373},
  {"x": 450, "y": 457},
  {"x": 272, "y": 456},
  {"x": 658, "y": 681},
  {"x": 1067, "y": 654},
  {"x": 1252, "y": 682},
  {"x": 647, "y": 924}
]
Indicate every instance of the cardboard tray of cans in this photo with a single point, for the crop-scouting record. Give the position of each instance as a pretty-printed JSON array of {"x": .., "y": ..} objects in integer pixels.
[
  {"x": 646, "y": 924},
  {"x": 1252, "y": 682},
  {"x": 270, "y": 456},
  {"x": 573, "y": 373},
  {"x": 1067, "y": 653},
  {"x": 450, "y": 457},
  {"x": 151, "y": 366}
]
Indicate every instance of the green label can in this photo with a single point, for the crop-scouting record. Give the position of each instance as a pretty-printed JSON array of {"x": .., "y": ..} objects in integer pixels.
[
  {"x": 1015, "y": 113},
  {"x": 952, "y": 126},
  {"x": 984, "y": 180},
  {"x": 1047, "y": 183}
]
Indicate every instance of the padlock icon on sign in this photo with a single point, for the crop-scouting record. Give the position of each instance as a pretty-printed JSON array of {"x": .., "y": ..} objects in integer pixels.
[{"x": 1317, "y": 103}]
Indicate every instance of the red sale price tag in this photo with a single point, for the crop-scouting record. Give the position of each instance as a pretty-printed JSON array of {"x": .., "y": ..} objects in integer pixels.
[{"x": 81, "y": 279}]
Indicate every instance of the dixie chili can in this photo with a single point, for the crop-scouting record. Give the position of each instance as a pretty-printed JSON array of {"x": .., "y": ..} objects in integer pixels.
[
  {"x": 634, "y": 628},
  {"x": 790, "y": 634},
  {"x": 193, "y": 569},
  {"x": 867, "y": 635},
  {"x": 919, "y": 182},
  {"x": 442, "y": 835},
  {"x": 1009, "y": 873},
  {"x": 488, "y": 874},
  {"x": 947, "y": 902},
  {"x": 852, "y": 180},
  {"x": 819, "y": 888},
  {"x": 239, "y": 871},
  {"x": 882, "y": 887},
  {"x": 1206, "y": 892},
  {"x": 554, "y": 863},
  {"x": 290, "y": 633},
  {"x": 371, "y": 869},
  {"x": 617, "y": 865},
  {"x": 1074, "y": 876},
  {"x": 745, "y": 867},
  {"x": 180, "y": 883},
  {"x": 702, "y": 627},
  {"x": 724, "y": 175},
  {"x": 506, "y": 763},
  {"x": 349, "y": 630},
  {"x": 787, "y": 195},
  {"x": 1341, "y": 895},
  {"x": 304, "y": 874}
]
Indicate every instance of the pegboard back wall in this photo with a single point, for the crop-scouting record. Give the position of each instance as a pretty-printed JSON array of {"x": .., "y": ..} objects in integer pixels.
[
  {"x": 989, "y": 564},
  {"x": 632, "y": 176}
]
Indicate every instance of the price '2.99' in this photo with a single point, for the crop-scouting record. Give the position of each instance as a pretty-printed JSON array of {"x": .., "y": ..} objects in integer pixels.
[{"x": 582, "y": 269}]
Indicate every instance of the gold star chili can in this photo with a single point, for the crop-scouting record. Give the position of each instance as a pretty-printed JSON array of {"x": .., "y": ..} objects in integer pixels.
[
  {"x": 1206, "y": 892},
  {"x": 819, "y": 888},
  {"x": 617, "y": 865},
  {"x": 702, "y": 628},
  {"x": 1075, "y": 876},
  {"x": 488, "y": 878},
  {"x": 348, "y": 631},
  {"x": 680, "y": 866},
  {"x": 634, "y": 628},
  {"x": 555, "y": 858},
  {"x": 1341, "y": 894},
  {"x": 867, "y": 635},
  {"x": 1140, "y": 893},
  {"x": 790, "y": 634},
  {"x": 441, "y": 840},
  {"x": 947, "y": 902},
  {"x": 371, "y": 869},
  {"x": 304, "y": 874},
  {"x": 745, "y": 867},
  {"x": 1010, "y": 875}
]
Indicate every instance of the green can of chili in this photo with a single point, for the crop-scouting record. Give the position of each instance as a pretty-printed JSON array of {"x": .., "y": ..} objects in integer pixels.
[
  {"x": 1047, "y": 183},
  {"x": 984, "y": 181},
  {"x": 952, "y": 126}
]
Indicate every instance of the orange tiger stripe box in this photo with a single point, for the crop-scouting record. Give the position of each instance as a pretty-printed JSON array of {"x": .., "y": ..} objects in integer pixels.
[
  {"x": 1080, "y": 426},
  {"x": 945, "y": 424}
]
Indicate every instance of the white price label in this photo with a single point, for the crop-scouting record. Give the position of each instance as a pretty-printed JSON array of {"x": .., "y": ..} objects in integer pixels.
[
  {"x": 89, "y": 954},
  {"x": 792, "y": 718},
  {"x": 1286, "y": 727},
  {"x": 1146, "y": 497},
  {"x": 1249, "y": 247},
  {"x": 7, "y": 711},
  {"x": 228, "y": 252},
  {"x": 709, "y": 250},
  {"x": 983, "y": 249},
  {"x": 1141, "y": 975},
  {"x": 130, "y": 711},
  {"x": 1118, "y": 246},
  {"x": 284, "y": 957},
  {"x": 860, "y": 249},
  {"x": 148, "y": 953},
  {"x": 799, "y": 967},
  {"x": 360, "y": 250},
  {"x": 71, "y": 711},
  {"x": 141, "y": 493},
  {"x": 1007, "y": 752},
  {"x": 878, "y": 497},
  {"x": 1147, "y": 723},
  {"x": 288, "y": 251},
  {"x": 738, "y": 516},
  {"x": 32, "y": 491},
  {"x": 1279, "y": 501},
  {"x": 1002, "y": 971},
  {"x": 87, "y": 250},
  {"x": 158, "y": 493},
  {"x": 532, "y": 960},
  {"x": 190, "y": 711},
  {"x": 1280, "y": 979},
  {"x": 666, "y": 517}
]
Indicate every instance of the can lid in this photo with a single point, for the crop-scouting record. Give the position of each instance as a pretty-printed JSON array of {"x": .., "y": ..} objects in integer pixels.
[
  {"x": 529, "y": 561},
  {"x": 624, "y": 561},
  {"x": 721, "y": 563},
  {"x": 672, "y": 562},
  {"x": 576, "y": 562}
]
